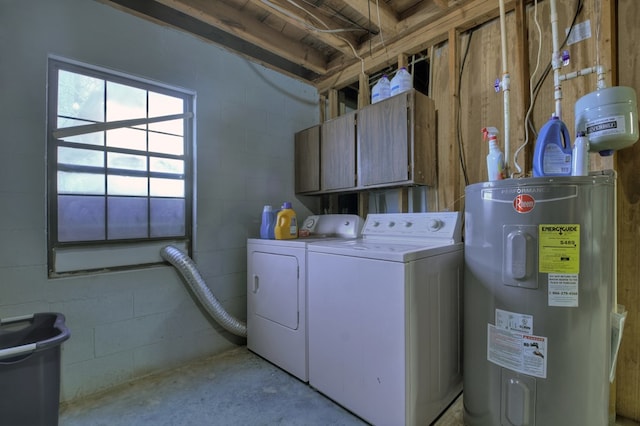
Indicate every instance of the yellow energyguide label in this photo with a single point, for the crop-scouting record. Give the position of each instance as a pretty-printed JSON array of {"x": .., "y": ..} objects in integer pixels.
[{"x": 559, "y": 248}]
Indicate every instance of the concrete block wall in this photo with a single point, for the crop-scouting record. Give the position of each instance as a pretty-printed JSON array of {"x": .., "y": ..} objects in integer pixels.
[{"x": 131, "y": 323}]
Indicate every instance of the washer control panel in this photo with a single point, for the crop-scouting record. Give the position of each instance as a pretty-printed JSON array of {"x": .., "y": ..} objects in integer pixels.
[{"x": 436, "y": 225}]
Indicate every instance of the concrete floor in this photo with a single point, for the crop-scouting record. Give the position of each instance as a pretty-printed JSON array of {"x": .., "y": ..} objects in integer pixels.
[{"x": 233, "y": 388}]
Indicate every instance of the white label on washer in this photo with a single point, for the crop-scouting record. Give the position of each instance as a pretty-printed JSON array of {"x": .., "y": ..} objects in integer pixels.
[
  {"x": 563, "y": 290},
  {"x": 515, "y": 322},
  {"x": 523, "y": 353}
]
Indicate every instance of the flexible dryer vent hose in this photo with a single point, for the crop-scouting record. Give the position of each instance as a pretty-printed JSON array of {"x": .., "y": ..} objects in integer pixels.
[{"x": 189, "y": 272}]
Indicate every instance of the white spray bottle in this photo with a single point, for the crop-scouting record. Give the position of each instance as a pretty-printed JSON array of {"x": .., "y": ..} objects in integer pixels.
[{"x": 495, "y": 158}]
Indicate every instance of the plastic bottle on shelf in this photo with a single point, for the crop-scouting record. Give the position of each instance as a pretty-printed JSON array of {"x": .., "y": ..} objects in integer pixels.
[
  {"x": 495, "y": 158},
  {"x": 552, "y": 153},
  {"x": 286, "y": 223},
  {"x": 381, "y": 90},
  {"x": 267, "y": 227},
  {"x": 401, "y": 82},
  {"x": 580, "y": 156}
]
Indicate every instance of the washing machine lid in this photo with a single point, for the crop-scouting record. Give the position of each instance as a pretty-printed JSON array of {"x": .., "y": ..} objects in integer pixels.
[
  {"x": 393, "y": 251},
  {"x": 400, "y": 237}
]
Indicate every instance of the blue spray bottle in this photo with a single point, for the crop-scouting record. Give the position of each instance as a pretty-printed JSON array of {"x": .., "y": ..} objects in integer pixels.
[{"x": 552, "y": 154}]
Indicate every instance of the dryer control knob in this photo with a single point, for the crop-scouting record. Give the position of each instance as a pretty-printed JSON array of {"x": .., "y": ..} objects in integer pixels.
[{"x": 435, "y": 224}]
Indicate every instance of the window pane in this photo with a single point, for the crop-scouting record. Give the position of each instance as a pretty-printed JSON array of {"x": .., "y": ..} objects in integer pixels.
[
  {"x": 96, "y": 138},
  {"x": 125, "y": 102},
  {"x": 160, "y": 105},
  {"x": 126, "y": 161},
  {"x": 104, "y": 181},
  {"x": 166, "y": 165},
  {"x": 167, "y": 187},
  {"x": 80, "y": 218},
  {"x": 127, "y": 138},
  {"x": 167, "y": 217},
  {"x": 80, "y": 96},
  {"x": 127, "y": 185},
  {"x": 80, "y": 183},
  {"x": 80, "y": 157},
  {"x": 166, "y": 144},
  {"x": 128, "y": 217}
]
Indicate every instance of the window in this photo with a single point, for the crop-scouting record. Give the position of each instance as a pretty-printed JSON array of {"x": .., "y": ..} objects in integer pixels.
[{"x": 119, "y": 168}]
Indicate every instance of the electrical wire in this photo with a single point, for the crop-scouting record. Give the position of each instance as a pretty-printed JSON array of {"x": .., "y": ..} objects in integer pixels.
[
  {"x": 380, "y": 26},
  {"x": 336, "y": 14},
  {"x": 531, "y": 103},
  {"x": 463, "y": 163},
  {"x": 545, "y": 74},
  {"x": 313, "y": 28},
  {"x": 305, "y": 23}
]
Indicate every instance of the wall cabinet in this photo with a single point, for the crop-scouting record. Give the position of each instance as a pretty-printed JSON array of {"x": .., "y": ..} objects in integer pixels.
[
  {"x": 307, "y": 160},
  {"x": 338, "y": 153},
  {"x": 397, "y": 142},
  {"x": 388, "y": 144}
]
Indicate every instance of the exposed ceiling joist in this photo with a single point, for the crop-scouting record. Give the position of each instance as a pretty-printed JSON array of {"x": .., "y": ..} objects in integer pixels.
[{"x": 327, "y": 43}]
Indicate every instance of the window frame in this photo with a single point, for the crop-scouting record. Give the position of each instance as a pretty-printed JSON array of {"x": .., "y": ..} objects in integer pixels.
[{"x": 65, "y": 258}]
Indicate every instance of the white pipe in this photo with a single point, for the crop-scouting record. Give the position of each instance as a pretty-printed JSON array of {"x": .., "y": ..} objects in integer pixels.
[
  {"x": 572, "y": 75},
  {"x": 555, "y": 59},
  {"x": 505, "y": 89},
  {"x": 601, "y": 83}
]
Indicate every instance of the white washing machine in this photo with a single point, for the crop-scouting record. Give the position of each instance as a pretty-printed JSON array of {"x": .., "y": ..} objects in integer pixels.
[
  {"x": 385, "y": 317},
  {"x": 277, "y": 291}
]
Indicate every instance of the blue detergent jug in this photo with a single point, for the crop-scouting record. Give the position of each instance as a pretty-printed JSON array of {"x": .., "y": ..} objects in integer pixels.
[
  {"x": 552, "y": 154},
  {"x": 267, "y": 227}
]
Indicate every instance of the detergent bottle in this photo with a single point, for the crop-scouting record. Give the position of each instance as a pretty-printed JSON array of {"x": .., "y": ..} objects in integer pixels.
[
  {"x": 267, "y": 226},
  {"x": 286, "y": 223},
  {"x": 495, "y": 158},
  {"x": 552, "y": 154}
]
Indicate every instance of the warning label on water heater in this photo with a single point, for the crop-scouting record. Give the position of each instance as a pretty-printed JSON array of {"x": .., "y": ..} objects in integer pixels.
[{"x": 523, "y": 353}]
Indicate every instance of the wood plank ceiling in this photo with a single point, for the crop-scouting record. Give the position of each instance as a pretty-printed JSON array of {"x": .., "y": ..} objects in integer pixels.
[{"x": 326, "y": 43}]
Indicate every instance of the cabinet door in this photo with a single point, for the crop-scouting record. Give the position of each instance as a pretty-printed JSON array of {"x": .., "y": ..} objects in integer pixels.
[
  {"x": 307, "y": 158},
  {"x": 338, "y": 153},
  {"x": 383, "y": 141}
]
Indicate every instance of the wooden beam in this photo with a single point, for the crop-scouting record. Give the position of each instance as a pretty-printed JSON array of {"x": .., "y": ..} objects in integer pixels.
[
  {"x": 374, "y": 9},
  {"x": 285, "y": 11},
  {"x": 218, "y": 14},
  {"x": 451, "y": 168},
  {"x": 426, "y": 12},
  {"x": 333, "y": 104},
  {"x": 364, "y": 93},
  {"x": 467, "y": 16}
]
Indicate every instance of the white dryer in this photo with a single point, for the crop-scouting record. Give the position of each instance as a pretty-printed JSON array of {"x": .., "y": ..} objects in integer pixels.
[
  {"x": 277, "y": 291},
  {"x": 385, "y": 317}
]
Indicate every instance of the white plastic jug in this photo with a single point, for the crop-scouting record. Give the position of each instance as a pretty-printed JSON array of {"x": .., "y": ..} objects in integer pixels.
[
  {"x": 381, "y": 90},
  {"x": 401, "y": 82}
]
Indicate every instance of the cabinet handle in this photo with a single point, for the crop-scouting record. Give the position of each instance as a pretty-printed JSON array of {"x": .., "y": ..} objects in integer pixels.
[{"x": 255, "y": 283}]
